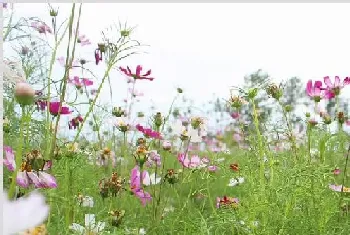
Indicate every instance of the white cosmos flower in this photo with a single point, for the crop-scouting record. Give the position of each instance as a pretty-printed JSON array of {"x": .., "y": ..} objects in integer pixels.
[
  {"x": 90, "y": 226},
  {"x": 184, "y": 125},
  {"x": 236, "y": 181},
  {"x": 142, "y": 231},
  {"x": 24, "y": 213},
  {"x": 151, "y": 179},
  {"x": 88, "y": 201}
]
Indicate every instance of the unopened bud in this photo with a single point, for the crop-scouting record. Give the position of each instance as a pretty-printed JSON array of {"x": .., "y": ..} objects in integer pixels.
[
  {"x": 166, "y": 145},
  {"x": 158, "y": 119},
  {"x": 102, "y": 47},
  {"x": 307, "y": 115},
  {"x": 288, "y": 108},
  {"x": 53, "y": 13},
  {"x": 179, "y": 90},
  {"x": 252, "y": 93},
  {"x": 24, "y": 93},
  {"x": 274, "y": 91}
]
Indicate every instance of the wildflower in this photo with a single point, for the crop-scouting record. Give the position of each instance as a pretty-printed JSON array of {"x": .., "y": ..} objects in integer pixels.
[
  {"x": 153, "y": 158},
  {"x": 117, "y": 217},
  {"x": 336, "y": 171},
  {"x": 90, "y": 226},
  {"x": 212, "y": 168},
  {"x": 196, "y": 131},
  {"x": 226, "y": 202},
  {"x": 333, "y": 89},
  {"x": 74, "y": 123},
  {"x": 41, "y": 27},
  {"x": 24, "y": 213},
  {"x": 80, "y": 82},
  {"x": 82, "y": 40},
  {"x": 236, "y": 181},
  {"x": 105, "y": 156},
  {"x": 38, "y": 230},
  {"x": 9, "y": 160},
  {"x": 234, "y": 115},
  {"x": 137, "y": 75},
  {"x": 118, "y": 112},
  {"x": 148, "y": 133},
  {"x": 234, "y": 167},
  {"x": 54, "y": 108},
  {"x": 99, "y": 52},
  {"x": 136, "y": 188},
  {"x": 122, "y": 126},
  {"x": 341, "y": 118},
  {"x": 24, "y": 93},
  {"x": 314, "y": 90},
  {"x": 236, "y": 102},
  {"x": 274, "y": 91},
  {"x": 339, "y": 188},
  {"x": 166, "y": 145},
  {"x": 192, "y": 162}
]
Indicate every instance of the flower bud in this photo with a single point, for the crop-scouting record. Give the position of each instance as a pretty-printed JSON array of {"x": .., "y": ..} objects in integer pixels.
[
  {"x": 167, "y": 145},
  {"x": 53, "y": 13},
  {"x": 307, "y": 115},
  {"x": 158, "y": 119},
  {"x": 179, "y": 90},
  {"x": 24, "y": 93},
  {"x": 274, "y": 91},
  {"x": 288, "y": 108},
  {"x": 101, "y": 47},
  {"x": 252, "y": 93},
  {"x": 125, "y": 33},
  {"x": 341, "y": 117}
]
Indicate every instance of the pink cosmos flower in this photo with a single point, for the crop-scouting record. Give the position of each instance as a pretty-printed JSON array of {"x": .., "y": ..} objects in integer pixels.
[
  {"x": 137, "y": 74},
  {"x": 136, "y": 187},
  {"x": 41, "y": 105},
  {"x": 212, "y": 168},
  {"x": 226, "y": 201},
  {"x": 333, "y": 89},
  {"x": 39, "y": 179},
  {"x": 41, "y": 27},
  {"x": 148, "y": 133},
  {"x": 54, "y": 108},
  {"x": 338, "y": 188},
  {"x": 9, "y": 160},
  {"x": 62, "y": 61},
  {"x": 347, "y": 122},
  {"x": 80, "y": 82},
  {"x": 314, "y": 90},
  {"x": 154, "y": 158},
  {"x": 193, "y": 162},
  {"x": 82, "y": 40}
]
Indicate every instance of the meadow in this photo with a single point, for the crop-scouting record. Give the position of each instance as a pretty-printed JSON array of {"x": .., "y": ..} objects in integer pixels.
[{"x": 259, "y": 169}]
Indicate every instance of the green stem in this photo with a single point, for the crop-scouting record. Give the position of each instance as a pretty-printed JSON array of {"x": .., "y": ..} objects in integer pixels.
[
  {"x": 344, "y": 177},
  {"x": 18, "y": 155},
  {"x": 260, "y": 146}
]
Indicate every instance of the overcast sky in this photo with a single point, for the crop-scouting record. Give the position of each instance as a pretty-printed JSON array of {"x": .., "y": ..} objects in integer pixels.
[{"x": 206, "y": 48}]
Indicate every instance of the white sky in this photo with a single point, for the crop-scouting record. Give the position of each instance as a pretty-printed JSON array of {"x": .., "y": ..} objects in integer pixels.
[{"x": 206, "y": 48}]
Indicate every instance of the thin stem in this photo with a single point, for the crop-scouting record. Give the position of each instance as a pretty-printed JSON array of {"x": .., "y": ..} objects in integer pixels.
[{"x": 18, "y": 155}]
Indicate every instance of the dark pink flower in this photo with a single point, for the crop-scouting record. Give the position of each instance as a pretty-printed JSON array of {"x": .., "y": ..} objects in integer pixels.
[
  {"x": 74, "y": 123},
  {"x": 314, "y": 90},
  {"x": 336, "y": 171},
  {"x": 148, "y": 133},
  {"x": 136, "y": 186},
  {"x": 137, "y": 74},
  {"x": 41, "y": 27},
  {"x": 41, "y": 105},
  {"x": 234, "y": 115},
  {"x": 55, "y": 106},
  {"x": 98, "y": 56}
]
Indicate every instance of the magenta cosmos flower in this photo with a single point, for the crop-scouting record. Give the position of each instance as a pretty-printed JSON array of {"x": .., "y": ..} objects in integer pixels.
[
  {"x": 148, "y": 132},
  {"x": 137, "y": 75},
  {"x": 54, "y": 108},
  {"x": 333, "y": 89},
  {"x": 74, "y": 123},
  {"x": 80, "y": 82},
  {"x": 314, "y": 90}
]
